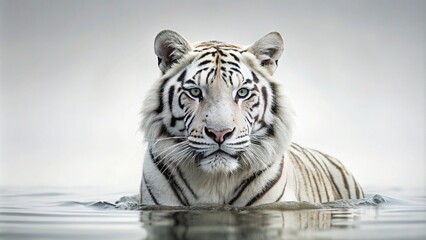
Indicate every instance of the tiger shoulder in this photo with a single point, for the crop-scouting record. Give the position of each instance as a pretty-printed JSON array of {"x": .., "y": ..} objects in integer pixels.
[{"x": 219, "y": 130}]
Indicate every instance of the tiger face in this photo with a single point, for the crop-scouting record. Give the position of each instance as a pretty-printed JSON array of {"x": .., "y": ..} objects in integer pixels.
[{"x": 217, "y": 107}]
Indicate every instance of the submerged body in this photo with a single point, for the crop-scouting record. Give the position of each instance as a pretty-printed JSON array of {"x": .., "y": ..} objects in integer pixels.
[{"x": 219, "y": 131}]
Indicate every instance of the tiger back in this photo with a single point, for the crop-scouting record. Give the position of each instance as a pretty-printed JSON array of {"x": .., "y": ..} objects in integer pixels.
[{"x": 218, "y": 129}]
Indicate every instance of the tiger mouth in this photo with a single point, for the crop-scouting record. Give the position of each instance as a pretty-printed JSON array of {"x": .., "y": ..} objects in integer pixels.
[
  {"x": 219, "y": 162},
  {"x": 219, "y": 151}
]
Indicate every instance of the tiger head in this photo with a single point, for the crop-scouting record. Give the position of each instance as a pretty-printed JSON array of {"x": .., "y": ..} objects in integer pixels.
[{"x": 216, "y": 107}]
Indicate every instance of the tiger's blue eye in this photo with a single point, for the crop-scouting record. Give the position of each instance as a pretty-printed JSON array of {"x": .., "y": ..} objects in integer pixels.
[
  {"x": 242, "y": 93},
  {"x": 195, "y": 92}
]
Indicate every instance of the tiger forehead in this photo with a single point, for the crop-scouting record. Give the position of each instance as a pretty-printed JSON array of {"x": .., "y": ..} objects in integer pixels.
[
  {"x": 218, "y": 62},
  {"x": 217, "y": 45}
]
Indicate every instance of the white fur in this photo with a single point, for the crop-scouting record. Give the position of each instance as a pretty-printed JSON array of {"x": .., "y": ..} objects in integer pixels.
[{"x": 218, "y": 177}]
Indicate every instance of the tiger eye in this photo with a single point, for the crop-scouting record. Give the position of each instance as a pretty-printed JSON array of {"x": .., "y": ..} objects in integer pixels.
[
  {"x": 195, "y": 92},
  {"x": 242, "y": 92}
]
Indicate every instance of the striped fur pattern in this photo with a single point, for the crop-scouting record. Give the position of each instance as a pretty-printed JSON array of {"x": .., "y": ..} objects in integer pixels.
[{"x": 218, "y": 130}]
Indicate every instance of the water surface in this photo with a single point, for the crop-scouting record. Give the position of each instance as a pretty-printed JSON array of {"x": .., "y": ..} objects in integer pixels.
[{"x": 93, "y": 214}]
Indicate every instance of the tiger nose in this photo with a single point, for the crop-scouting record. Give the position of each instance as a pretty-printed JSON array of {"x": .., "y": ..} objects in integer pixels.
[{"x": 219, "y": 136}]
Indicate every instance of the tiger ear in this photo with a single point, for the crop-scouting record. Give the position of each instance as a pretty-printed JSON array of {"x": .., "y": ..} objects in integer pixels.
[
  {"x": 268, "y": 50},
  {"x": 169, "y": 47}
]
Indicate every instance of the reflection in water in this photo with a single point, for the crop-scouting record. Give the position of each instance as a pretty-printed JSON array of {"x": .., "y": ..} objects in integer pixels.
[
  {"x": 239, "y": 224},
  {"x": 69, "y": 215}
]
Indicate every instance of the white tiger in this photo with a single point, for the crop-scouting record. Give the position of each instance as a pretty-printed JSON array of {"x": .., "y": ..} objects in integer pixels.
[{"x": 219, "y": 131}]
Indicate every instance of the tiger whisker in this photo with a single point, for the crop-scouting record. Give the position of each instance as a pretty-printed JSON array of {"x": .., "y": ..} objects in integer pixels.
[
  {"x": 173, "y": 148},
  {"x": 176, "y": 152},
  {"x": 176, "y": 162},
  {"x": 162, "y": 139},
  {"x": 184, "y": 156},
  {"x": 173, "y": 161}
]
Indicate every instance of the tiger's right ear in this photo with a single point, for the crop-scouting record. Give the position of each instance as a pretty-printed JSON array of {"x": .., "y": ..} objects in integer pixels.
[{"x": 169, "y": 47}]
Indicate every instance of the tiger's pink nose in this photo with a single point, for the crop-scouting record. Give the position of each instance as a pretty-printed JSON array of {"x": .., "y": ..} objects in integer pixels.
[{"x": 219, "y": 136}]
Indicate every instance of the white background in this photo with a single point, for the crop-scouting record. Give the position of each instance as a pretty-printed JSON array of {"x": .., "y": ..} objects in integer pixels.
[{"x": 73, "y": 75}]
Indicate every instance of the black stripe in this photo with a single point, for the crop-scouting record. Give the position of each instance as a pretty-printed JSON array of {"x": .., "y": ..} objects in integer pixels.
[
  {"x": 199, "y": 71},
  {"x": 171, "y": 95},
  {"x": 181, "y": 105},
  {"x": 281, "y": 195},
  {"x": 235, "y": 57},
  {"x": 248, "y": 121},
  {"x": 160, "y": 97},
  {"x": 204, "y": 63},
  {"x": 236, "y": 70},
  {"x": 222, "y": 53},
  {"x": 341, "y": 170},
  {"x": 270, "y": 131},
  {"x": 304, "y": 152},
  {"x": 335, "y": 185},
  {"x": 268, "y": 186},
  {"x": 255, "y": 79},
  {"x": 358, "y": 194},
  {"x": 169, "y": 177},
  {"x": 306, "y": 173},
  {"x": 201, "y": 143},
  {"x": 224, "y": 78},
  {"x": 205, "y": 54},
  {"x": 238, "y": 143},
  {"x": 255, "y": 105},
  {"x": 318, "y": 170},
  {"x": 230, "y": 80},
  {"x": 214, "y": 75},
  {"x": 186, "y": 183},
  {"x": 190, "y": 122},
  {"x": 203, "y": 49},
  {"x": 274, "y": 106},
  {"x": 174, "y": 120},
  {"x": 359, "y": 189},
  {"x": 247, "y": 81},
  {"x": 217, "y": 59},
  {"x": 190, "y": 81},
  {"x": 285, "y": 185},
  {"x": 265, "y": 99},
  {"x": 182, "y": 76},
  {"x": 149, "y": 191},
  {"x": 243, "y": 185},
  {"x": 317, "y": 186},
  {"x": 208, "y": 74},
  {"x": 233, "y": 64},
  {"x": 326, "y": 172}
]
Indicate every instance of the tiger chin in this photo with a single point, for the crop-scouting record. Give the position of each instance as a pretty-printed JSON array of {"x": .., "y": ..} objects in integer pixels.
[{"x": 218, "y": 129}]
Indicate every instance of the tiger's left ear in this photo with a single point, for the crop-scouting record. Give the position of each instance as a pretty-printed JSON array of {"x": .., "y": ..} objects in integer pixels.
[{"x": 268, "y": 50}]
